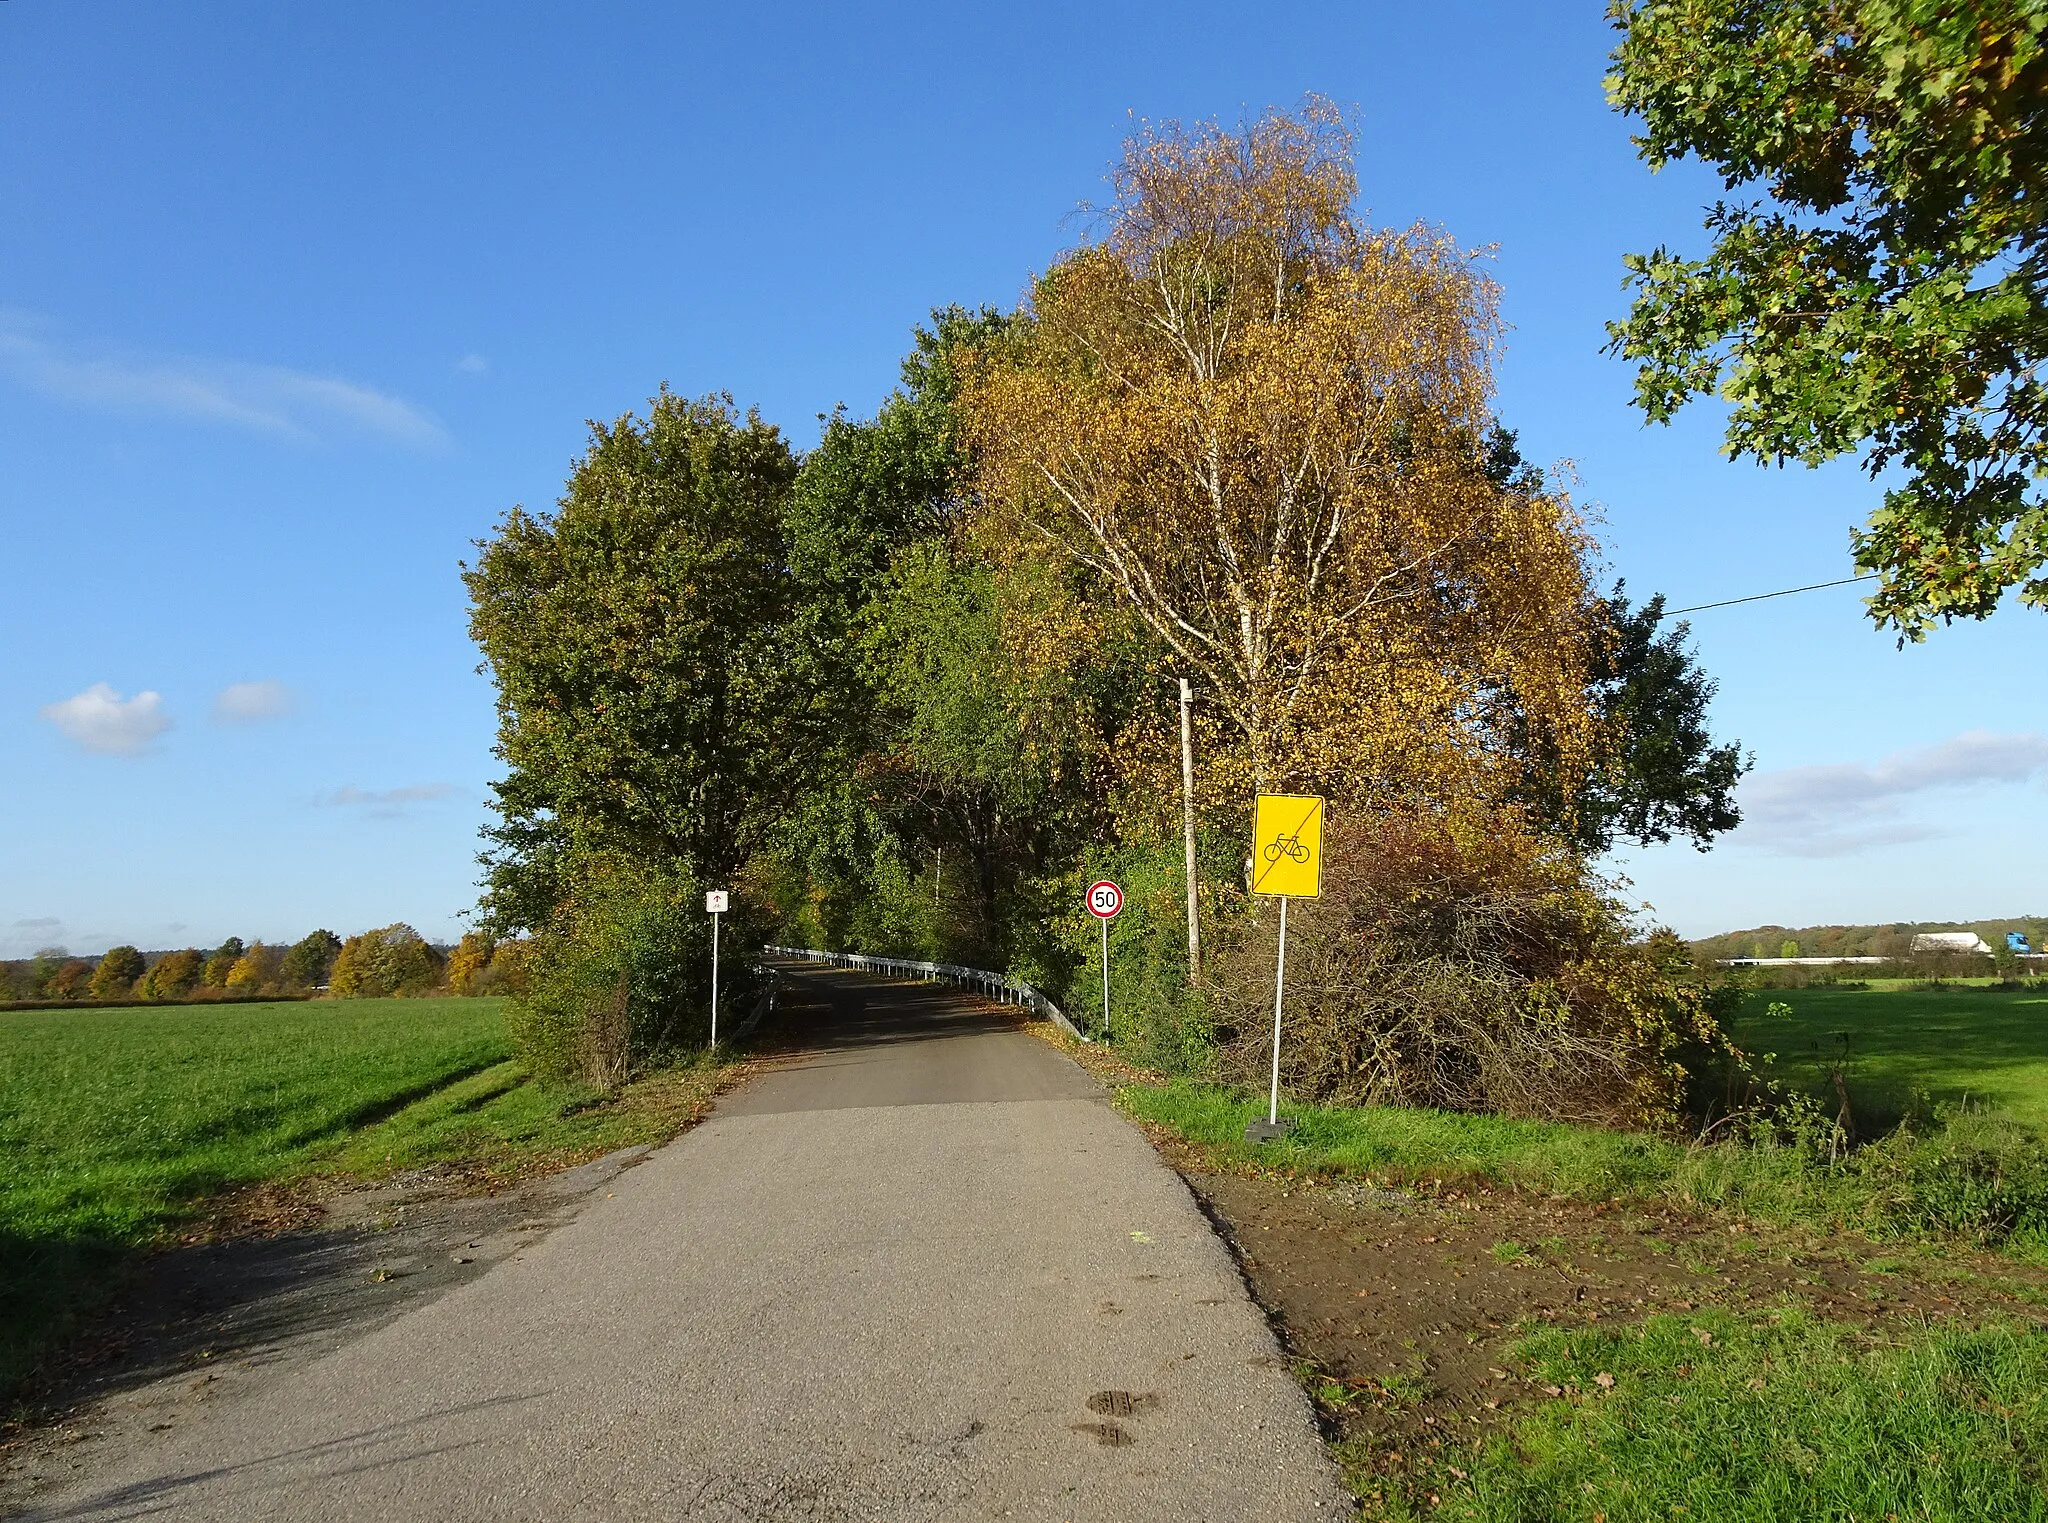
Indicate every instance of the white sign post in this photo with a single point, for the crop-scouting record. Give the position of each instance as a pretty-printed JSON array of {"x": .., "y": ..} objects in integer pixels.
[
  {"x": 716, "y": 901},
  {"x": 1105, "y": 903},
  {"x": 1287, "y": 837}
]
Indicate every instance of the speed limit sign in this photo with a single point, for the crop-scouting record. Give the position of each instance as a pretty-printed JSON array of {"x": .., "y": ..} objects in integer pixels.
[{"x": 1105, "y": 902}]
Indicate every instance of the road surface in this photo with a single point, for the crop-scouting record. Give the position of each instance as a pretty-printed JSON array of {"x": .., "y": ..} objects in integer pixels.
[{"x": 922, "y": 1270}]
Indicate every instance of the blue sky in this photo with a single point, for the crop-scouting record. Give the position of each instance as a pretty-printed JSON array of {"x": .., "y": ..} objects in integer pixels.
[{"x": 295, "y": 300}]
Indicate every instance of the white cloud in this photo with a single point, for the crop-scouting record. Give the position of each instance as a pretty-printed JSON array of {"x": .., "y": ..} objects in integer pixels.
[
  {"x": 1845, "y": 808},
  {"x": 246, "y": 702},
  {"x": 99, "y": 719},
  {"x": 24, "y": 938},
  {"x": 270, "y": 399},
  {"x": 473, "y": 364},
  {"x": 388, "y": 803}
]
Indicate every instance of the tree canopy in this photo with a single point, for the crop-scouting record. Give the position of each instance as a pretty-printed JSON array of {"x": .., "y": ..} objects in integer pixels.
[
  {"x": 309, "y": 960},
  {"x": 645, "y": 699},
  {"x": 117, "y": 973},
  {"x": 909, "y": 691},
  {"x": 1265, "y": 427},
  {"x": 1887, "y": 297}
]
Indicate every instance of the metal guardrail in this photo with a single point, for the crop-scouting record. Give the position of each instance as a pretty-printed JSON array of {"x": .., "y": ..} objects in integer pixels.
[
  {"x": 764, "y": 1003},
  {"x": 997, "y": 986}
]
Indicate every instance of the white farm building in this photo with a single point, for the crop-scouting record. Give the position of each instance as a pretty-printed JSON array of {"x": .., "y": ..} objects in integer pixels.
[{"x": 1950, "y": 941}]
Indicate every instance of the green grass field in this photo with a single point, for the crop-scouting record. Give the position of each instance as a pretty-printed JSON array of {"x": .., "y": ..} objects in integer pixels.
[
  {"x": 115, "y": 1123},
  {"x": 1905, "y": 1050},
  {"x": 1766, "y": 1418}
]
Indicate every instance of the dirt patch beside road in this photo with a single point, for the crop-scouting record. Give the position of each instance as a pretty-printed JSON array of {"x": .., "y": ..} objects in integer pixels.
[
  {"x": 1400, "y": 1307},
  {"x": 211, "y": 1321}
]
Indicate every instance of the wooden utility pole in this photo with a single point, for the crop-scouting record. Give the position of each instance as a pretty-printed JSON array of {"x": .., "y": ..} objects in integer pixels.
[{"x": 1187, "y": 814}]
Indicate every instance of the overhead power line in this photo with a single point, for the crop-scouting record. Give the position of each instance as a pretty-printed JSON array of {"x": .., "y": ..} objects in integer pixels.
[{"x": 1758, "y": 597}]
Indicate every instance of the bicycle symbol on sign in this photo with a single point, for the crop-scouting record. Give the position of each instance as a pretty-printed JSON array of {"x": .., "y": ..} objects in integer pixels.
[{"x": 1291, "y": 844}]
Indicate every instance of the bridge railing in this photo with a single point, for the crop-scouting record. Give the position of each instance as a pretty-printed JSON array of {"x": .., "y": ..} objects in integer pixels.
[{"x": 1000, "y": 987}]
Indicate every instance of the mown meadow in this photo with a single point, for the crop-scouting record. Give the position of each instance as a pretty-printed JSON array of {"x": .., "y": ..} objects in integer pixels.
[
  {"x": 1908, "y": 1048},
  {"x": 119, "y": 1126}
]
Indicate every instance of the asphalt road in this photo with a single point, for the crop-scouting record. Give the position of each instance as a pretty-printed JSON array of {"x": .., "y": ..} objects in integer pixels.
[{"x": 920, "y": 1271}]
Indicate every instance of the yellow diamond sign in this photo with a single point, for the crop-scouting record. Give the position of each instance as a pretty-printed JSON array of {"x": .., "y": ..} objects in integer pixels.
[{"x": 1287, "y": 845}]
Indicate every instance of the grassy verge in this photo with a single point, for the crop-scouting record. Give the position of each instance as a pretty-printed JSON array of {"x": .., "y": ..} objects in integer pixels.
[
  {"x": 1747, "y": 1419},
  {"x": 498, "y": 1125},
  {"x": 1800, "y": 1377},
  {"x": 1976, "y": 1174},
  {"x": 1408, "y": 1146},
  {"x": 122, "y": 1128}
]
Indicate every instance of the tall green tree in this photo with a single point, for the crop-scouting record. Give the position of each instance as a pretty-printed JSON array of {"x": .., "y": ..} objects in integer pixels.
[
  {"x": 958, "y": 770},
  {"x": 1657, "y": 772},
  {"x": 637, "y": 638},
  {"x": 995, "y": 755},
  {"x": 309, "y": 960},
  {"x": 1888, "y": 296},
  {"x": 115, "y": 977}
]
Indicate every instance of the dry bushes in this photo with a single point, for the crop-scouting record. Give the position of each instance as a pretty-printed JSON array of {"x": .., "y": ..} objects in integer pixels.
[{"x": 1467, "y": 969}]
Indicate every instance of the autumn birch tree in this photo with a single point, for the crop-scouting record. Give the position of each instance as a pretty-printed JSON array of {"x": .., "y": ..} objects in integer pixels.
[{"x": 1266, "y": 426}]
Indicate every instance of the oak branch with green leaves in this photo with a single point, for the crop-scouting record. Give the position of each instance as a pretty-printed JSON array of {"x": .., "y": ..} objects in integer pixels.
[{"x": 1885, "y": 296}]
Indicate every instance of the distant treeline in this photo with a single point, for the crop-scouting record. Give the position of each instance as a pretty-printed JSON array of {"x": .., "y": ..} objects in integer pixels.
[
  {"x": 1895, "y": 940},
  {"x": 389, "y": 961}
]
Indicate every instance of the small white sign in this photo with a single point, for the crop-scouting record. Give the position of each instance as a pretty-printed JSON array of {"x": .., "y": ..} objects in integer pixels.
[
  {"x": 1105, "y": 899},
  {"x": 715, "y": 901}
]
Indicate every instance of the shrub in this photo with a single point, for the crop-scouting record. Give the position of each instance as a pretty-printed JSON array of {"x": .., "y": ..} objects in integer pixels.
[
  {"x": 1466, "y": 968},
  {"x": 1157, "y": 1020},
  {"x": 622, "y": 977}
]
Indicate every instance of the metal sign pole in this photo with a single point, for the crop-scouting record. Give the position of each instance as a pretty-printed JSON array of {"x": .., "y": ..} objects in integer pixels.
[
  {"x": 1287, "y": 837},
  {"x": 1105, "y": 978},
  {"x": 1279, "y": 989},
  {"x": 714, "y": 969}
]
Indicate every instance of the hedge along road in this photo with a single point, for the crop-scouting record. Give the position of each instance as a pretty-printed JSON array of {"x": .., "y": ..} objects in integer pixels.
[{"x": 921, "y": 1270}]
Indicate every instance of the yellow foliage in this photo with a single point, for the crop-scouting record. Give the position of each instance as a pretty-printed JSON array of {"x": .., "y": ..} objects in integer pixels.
[
  {"x": 255, "y": 969},
  {"x": 467, "y": 962},
  {"x": 1267, "y": 429}
]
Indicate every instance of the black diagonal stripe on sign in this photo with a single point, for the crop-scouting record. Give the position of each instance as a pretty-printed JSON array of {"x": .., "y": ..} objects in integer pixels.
[{"x": 1259, "y": 846}]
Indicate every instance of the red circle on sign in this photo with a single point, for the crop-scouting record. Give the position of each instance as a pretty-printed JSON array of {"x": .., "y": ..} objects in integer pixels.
[{"x": 1105, "y": 899}]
